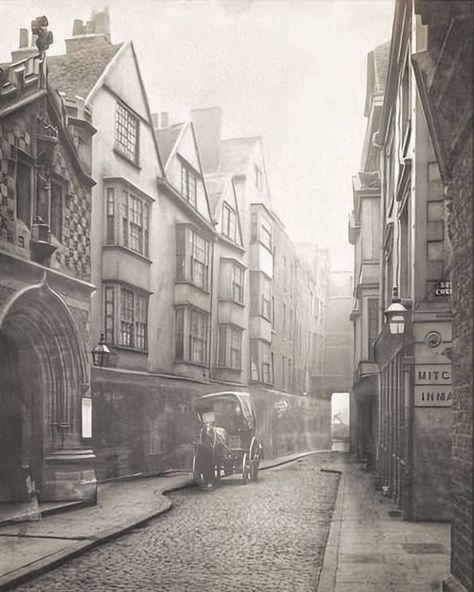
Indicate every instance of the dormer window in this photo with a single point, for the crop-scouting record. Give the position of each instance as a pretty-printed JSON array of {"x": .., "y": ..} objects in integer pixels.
[
  {"x": 189, "y": 180},
  {"x": 229, "y": 222},
  {"x": 126, "y": 133}
]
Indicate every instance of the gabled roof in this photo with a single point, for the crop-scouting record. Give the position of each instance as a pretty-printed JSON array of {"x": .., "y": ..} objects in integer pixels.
[
  {"x": 77, "y": 72},
  {"x": 234, "y": 155},
  {"x": 167, "y": 138},
  {"x": 377, "y": 68},
  {"x": 215, "y": 185},
  {"x": 380, "y": 56}
]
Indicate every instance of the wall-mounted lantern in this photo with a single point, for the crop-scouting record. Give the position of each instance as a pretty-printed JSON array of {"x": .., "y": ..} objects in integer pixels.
[
  {"x": 396, "y": 315},
  {"x": 101, "y": 353}
]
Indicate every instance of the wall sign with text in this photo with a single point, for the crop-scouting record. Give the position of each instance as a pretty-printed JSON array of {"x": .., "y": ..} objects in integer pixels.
[{"x": 433, "y": 385}]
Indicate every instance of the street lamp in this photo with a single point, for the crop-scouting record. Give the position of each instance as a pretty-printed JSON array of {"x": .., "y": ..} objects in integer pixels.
[
  {"x": 101, "y": 353},
  {"x": 396, "y": 315}
]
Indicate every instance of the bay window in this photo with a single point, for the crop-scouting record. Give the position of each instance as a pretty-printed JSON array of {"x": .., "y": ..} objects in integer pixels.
[
  {"x": 229, "y": 353},
  {"x": 192, "y": 257},
  {"x": 238, "y": 274},
  {"x": 191, "y": 335},
  {"x": 261, "y": 361},
  {"x": 127, "y": 218},
  {"x": 125, "y": 316}
]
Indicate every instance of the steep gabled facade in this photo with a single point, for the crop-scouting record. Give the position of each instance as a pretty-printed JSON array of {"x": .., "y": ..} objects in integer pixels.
[
  {"x": 126, "y": 164},
  {"x": 231, "y": 287},
  {"x": 184, "y": 260}
]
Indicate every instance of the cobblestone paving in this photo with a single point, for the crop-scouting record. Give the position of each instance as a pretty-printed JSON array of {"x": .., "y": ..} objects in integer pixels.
[{"x": 266, "y": 536}]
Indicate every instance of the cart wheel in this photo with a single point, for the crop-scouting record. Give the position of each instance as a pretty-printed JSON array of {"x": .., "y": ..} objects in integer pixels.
[
  {"x": 197, "y": 476},
  {"x": 245, "y": 468},
  {"x": 254, "y": 469}
]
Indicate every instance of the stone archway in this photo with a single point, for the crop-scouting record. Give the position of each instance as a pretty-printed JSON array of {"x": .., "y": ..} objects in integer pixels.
[{"x": 44, "y": 380}]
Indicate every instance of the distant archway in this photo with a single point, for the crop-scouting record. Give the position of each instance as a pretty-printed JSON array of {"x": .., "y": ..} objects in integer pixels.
[
  {"x": 340, "y": 421},
  {"x": 45, "y": 372}
]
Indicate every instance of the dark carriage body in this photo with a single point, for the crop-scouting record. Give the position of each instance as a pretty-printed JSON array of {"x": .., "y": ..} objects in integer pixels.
[{"x": 227, "y": 442}]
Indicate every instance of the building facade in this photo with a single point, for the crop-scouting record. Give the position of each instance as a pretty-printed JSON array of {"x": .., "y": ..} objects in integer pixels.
[
  {"x": 444, "y": 74},
  {"x": 365, "y": 236},
  {"x": 45, "y": 286},
  {"x": 415, "y": 393}
]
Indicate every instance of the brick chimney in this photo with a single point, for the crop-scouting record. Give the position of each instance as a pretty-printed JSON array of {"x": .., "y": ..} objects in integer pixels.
[
  {"x": 94, "y": 33},
  {"x": 25, "y": 50},
  {"x": 207, "y": 127}
]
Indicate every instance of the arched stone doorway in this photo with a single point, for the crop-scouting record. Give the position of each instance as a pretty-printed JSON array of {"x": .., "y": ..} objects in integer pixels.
[{"x": 43, "y": 380}]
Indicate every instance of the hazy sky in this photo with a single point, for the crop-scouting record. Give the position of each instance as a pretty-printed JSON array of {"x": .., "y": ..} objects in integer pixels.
[{"x": 290, "y": 71}]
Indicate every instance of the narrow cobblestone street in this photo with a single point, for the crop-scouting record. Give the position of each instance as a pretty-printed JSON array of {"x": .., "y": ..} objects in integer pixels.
[{"x": 265, "y": 536}]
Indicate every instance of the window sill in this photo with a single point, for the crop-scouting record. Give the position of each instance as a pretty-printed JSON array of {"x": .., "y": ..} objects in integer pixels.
[
  {"x": 204, "y": 290},
  {"x": 129, "y": 251},
  {"x": 127, "y": 159},
  {"x": 202, "y": 365},
  {"x": 143, "y": 352},
  {"x": 240, "y": 304}
]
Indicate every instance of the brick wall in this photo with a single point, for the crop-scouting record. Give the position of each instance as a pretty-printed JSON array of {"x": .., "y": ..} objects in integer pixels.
[{"x": 462, "y": 300}]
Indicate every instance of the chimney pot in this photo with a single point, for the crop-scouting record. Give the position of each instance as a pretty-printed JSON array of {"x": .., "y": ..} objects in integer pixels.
[
  {"x": 24, "y": 38},
  {"x": 77, "y": 27},
  {"x": 154, "y": 120},
  {"x": 90, "y": 27},
  {"x": 164, "y": 119}
]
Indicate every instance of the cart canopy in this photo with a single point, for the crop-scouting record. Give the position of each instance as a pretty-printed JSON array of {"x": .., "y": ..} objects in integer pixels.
[{"x": 233, "y": 410}]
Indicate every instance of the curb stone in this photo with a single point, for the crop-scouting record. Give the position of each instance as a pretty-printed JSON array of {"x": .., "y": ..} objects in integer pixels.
[{"x": 327, "y": 575}]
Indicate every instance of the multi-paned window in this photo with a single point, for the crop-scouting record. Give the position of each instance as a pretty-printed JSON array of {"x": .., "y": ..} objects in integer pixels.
[
  {"x": 192, "y": 257},
  {"x": 198, "y": 337},
  {"x": 229, "y": 353},
  {"x": 266, "y": 236},
  {"x": 125, "y": 316},
  {"x": 131, "y": 227},
  {"x": 126, "y": 132},
  {"x": 49, "y": 202},
  {"x": 436, "y": 247},
  {"x": 238, "y": 275},
  {"x": 261, "y": 231},
  {"x": 266, "y": 363},
  {"x": 191, "y": 335},
  {"x": 23, "y": 192},
  {"x": 266, "y": 297},
  {"x": 229, "y": 222},
  {"x": 261, "y": 361},
  {"x": 373, "y": 325},
  {"x": 189, "y": 179},
  {"x": 56, "y": 210}
]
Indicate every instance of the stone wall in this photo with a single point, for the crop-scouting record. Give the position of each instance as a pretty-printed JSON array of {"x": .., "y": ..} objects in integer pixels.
[{"x": 161, "y": 435}]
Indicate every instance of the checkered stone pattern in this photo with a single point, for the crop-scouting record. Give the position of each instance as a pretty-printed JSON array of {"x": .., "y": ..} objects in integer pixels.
[
  {"x": 73, "y": 253},
  {"x": 14, "y": 132}
]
